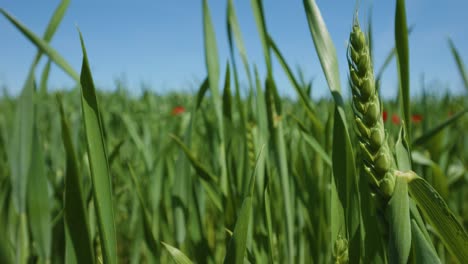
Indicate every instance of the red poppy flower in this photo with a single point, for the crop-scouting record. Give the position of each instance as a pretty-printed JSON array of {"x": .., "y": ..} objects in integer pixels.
[
  {"x": 385, "y": 116},
  {"x": 178, "y": 110},
  {"x": 416, "y": 118},
  {"x": 395, "y": 119}
]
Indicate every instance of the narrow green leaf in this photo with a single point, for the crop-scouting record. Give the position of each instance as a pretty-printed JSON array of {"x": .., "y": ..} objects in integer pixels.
[
  {"x": 398, "y": 217},
  {"x": 460, "y": 64},
  {"x": 208, "y": 180},
  {"x": 433, "y": 206},
  {"x": 42, "y": 45},
  {"x": 21, "y": 144},
  {"x": 227, "y": 97},
  {"x": 102, "y": 189},
  {"x": 238, "y": 243},
  {"x": 344, "y": 170},
  {"x": 257, "y": 9},
  {"x": 45, "y": 77},
  {"x": 212, "y": 65},
  {"x": 324, "y": 46},
  {"x": 200, "y": 168},
  {"x": 148, "y": 232},
  {"x": 201, "y": 92},
  {"x": 54, "y": 23},
  {"x": 267, "y": 212},
  {"x": 38, "y": 200},
  {"x": 75, "y": 212},
  {"x": 177, "y": 255},
  {"x": 233, "y": 28},
  {"x": 305, "y": 99},
  {"x": 313, "y": 143},
  {"x": 422, "y": 250},
  {"x": 402, "y": 50}
]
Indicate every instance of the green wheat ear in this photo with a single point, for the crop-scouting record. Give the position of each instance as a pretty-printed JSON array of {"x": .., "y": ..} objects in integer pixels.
[{"x": 375, "y": 154}]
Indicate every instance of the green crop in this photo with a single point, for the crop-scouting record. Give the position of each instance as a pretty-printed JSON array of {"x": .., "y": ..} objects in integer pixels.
[{"x": 88, "y": 176}]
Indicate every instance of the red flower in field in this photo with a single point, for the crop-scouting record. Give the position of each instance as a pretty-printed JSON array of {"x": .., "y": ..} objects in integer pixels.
[
  {"x": 385, "y": 116},
  {"x": 178, "y": 110},
  {"x": 416, "y": 118},
  {"x": 395, "y": 119}
]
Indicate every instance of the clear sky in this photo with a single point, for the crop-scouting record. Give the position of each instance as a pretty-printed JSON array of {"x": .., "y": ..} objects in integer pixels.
[{"x": 160, "y": 43}]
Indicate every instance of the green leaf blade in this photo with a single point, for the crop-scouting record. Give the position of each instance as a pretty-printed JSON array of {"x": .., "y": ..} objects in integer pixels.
[{"x": 102, "y": 189}]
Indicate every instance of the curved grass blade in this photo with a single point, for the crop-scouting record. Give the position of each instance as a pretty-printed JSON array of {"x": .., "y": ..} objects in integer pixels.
[
  {"x": 38, "y": 201},
  {"x": 460, "y": 64},
  {"x": 176, "y": 254},
  {"x": 433, "y": 206},
  {"x": 75, "y": 213},
  {"x": 434, "y": 131},
  {"x": 402, "y": 50},
  {"x": 43, "y": 45},
  {"x": 422, "y": 250},
  {"x": 102, "y": 189},
  {"x": 238, "y": 243}
]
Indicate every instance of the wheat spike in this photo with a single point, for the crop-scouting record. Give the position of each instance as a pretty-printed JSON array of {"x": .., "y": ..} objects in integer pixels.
[{"x": 376, "y": 156}]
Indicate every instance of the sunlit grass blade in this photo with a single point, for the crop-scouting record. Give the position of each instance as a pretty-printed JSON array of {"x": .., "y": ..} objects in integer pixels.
[
  {"x": 75, "y": 210},
  {"x": 238, "y": 243},
  {"x": 102, "y": 189},
  {"x": 43, "y": 45},
  {"x": 38, "y": 201},
  {"x": 437, "y": 212},
  {"x": 460, "y": 64},
  {"x": 427, "y": 136},
  {"x": 402, "y": 51},
  {"x": 176, "y": 254}
]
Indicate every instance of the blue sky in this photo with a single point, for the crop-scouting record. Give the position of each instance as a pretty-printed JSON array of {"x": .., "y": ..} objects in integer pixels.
[{"x": 160, "y": 43}]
